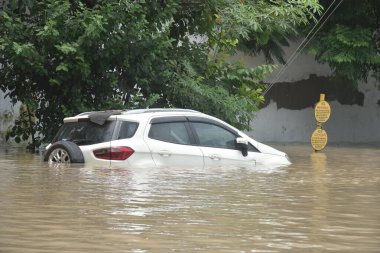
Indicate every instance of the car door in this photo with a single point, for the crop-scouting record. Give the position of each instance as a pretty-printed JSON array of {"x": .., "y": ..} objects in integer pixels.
[
  {"x": 172, "y": 144},
  {"x": 218, "y": 145}
]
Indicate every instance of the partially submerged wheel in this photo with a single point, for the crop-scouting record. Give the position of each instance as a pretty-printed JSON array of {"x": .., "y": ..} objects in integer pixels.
[
  {"x": 59, "y": 155},
  {"x": 64, "y": 152}
]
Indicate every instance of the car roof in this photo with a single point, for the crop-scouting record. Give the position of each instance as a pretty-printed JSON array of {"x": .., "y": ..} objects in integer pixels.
[{"x": 140, "y": 113}]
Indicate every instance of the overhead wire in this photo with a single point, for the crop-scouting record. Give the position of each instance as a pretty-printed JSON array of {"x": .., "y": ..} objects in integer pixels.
[{"x": 302, "y": 45}]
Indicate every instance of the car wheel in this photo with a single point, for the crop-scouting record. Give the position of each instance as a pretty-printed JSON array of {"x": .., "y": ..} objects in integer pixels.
[{"x": 64, "y": 152}]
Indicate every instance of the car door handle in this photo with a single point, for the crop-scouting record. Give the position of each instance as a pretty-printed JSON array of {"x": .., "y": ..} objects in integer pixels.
[
  {"x": 164, "y": 153},
  {"x": 215, "y": 157}
]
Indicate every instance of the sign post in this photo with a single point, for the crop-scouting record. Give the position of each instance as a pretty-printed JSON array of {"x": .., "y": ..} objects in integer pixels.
[{"x": 322, "y": 113}]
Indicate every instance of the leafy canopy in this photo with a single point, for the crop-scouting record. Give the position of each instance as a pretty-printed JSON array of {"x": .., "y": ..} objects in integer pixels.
[
  {"x": 350, "y": 40},
  {"x": 61, "y": 57}
]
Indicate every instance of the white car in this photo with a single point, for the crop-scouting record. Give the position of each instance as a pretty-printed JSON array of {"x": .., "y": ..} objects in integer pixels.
[{"x": 157, "y": 137}]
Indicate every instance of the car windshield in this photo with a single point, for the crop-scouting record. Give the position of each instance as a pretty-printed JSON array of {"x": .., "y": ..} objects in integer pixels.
[{"x": 85, "y": 133}]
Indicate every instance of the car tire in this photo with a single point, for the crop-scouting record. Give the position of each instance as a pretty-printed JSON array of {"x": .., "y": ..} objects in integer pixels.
[{"x": 64, "y": 152}]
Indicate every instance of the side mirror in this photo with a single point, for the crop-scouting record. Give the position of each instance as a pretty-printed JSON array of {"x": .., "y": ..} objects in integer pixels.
[{"x": 242, "y": 145}]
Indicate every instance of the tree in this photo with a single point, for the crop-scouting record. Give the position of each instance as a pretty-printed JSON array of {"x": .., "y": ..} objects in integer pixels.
[
  {"x": 350, "y": 40},
  {"x": 61, "y": 57}
]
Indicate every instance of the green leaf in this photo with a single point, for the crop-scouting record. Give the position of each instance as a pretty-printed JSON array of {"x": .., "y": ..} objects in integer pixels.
[
  {"x": 62, "y": 67},
  {"x": 67, "y": 48},
  {"x": 17, "y": 48},
  {"x": 54, "y": 82}
]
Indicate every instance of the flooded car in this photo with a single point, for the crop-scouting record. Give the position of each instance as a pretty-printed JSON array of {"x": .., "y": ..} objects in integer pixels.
[{"x": 157, "y": 137}]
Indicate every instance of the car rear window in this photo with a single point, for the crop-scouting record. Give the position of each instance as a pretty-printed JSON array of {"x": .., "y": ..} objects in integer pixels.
[{"x": 86, "y": 133}]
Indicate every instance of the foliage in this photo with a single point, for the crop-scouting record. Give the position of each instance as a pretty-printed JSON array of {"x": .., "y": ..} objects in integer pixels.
[
  {"x": 69, "y": 58},
  {"x": 254, "y": 26},
  {"x": 61, "y": 57},
  {"x": 349, "y": 41},
  {"x": 283, "y": 21}
]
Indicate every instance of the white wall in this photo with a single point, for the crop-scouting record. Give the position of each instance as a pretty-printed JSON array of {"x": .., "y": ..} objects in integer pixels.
[
  {"x": 348, "y": 123},
  {"x": 8, "y": 113}
]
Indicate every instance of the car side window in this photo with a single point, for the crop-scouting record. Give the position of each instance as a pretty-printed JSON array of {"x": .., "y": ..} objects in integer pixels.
[
  {"x": 127, "y": 129},
  {"x": 210, "y": 135},
  {"x": 173, "y": 132}
]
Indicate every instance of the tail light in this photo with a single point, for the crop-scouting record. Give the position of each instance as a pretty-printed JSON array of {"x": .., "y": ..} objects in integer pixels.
[{"x": 114, "y": 153}]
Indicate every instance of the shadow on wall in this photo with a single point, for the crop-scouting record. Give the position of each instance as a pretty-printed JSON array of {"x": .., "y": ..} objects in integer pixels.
[{"x": 305, "y": 93}]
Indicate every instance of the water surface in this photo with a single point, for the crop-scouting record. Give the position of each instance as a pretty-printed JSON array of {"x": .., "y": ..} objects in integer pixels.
[{"x": 323, "y": 202}]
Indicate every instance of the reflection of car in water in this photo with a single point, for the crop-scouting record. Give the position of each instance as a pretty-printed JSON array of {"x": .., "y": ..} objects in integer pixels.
[{"x": 156, "y": 137}]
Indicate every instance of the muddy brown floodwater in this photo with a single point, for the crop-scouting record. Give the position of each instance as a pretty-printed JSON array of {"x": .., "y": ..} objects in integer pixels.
[{"x": 323, "y": 202}]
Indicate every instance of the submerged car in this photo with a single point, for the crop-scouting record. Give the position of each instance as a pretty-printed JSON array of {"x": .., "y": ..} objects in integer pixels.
[{"x": 156, "y": 137}]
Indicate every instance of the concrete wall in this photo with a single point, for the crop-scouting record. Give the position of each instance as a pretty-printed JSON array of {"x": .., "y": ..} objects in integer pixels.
[
  {"x": 8, "y": 113},
  {"x": 348, "y": 123},
  {"x": 288, "y": 115}
]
